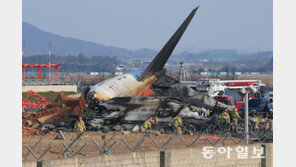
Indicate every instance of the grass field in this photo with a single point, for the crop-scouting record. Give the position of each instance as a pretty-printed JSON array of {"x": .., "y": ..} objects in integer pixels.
[{"x": 50, "y": 96}]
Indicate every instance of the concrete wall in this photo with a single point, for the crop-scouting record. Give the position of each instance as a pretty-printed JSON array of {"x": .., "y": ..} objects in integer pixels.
[
  {"x": 268, "y": 162},
  {"x": 150, "y": 159},
  {"x": 54, "y": 88},
  {"x": 193, "y": 157},
  {"x": 170, "y": 158},
  {"x": 29, "y": 164}
]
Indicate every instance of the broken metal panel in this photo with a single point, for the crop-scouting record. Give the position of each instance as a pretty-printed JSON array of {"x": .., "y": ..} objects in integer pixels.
[
  {"x": 186, "y": 112},
  {"x": 57, "y": 111},
  {"x": 148, "y": 110},
  {"x": 135, "y": 110},
  {"x": 125, "y": 108}
]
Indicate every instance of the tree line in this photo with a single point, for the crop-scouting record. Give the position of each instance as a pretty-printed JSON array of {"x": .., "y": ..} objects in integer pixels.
[{"x": 79, "y": 63}]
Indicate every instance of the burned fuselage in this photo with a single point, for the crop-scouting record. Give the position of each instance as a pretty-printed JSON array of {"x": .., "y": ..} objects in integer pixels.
[
  {"x": 118, "y": 100},
  {"x": 137, "y": 83},
  {"x": 136, "y": 110}
]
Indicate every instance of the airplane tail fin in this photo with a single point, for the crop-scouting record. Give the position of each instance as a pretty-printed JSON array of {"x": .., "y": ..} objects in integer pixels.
[{"x": 162, "y": 57}]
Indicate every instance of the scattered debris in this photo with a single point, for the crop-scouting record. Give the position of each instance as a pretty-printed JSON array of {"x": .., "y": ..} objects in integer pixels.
[
  {"x": 40, "y": 102},
  {"x": 60, "y": 136},
  {"x": 54, "y": 113},
  {"x": 126, "y": 132},
  {"x": 124, "y": 113},
  {"x": 200, "y": 111},
  {"x": 136, "y": 128}
]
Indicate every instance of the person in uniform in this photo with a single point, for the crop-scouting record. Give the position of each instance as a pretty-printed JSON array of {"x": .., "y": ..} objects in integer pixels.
[
  {"x": 104, "y": 135},
  {"x": 79, "y": 126},
  {"x": 220, "y": 108},
  {"x": 177, "y": 123},
  {"x": 235, "y": 116},
  {"x": 148, "y": 124},
  {"x": 225, "y": 116},
  {"x": 269, "y": 119}
]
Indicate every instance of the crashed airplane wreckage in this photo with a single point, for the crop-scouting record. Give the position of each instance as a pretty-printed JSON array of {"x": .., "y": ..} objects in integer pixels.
[
  {"x": 132, "y": 98},
  {"x": 127, "y": 100},
  {"x": 125, "y": 113}
]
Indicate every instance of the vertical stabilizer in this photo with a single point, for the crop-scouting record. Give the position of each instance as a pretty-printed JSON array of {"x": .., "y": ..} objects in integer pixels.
[{"x": 162, "y": 57}]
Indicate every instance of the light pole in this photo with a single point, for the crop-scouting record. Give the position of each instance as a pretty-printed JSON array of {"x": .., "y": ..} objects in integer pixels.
[{"x": 247, "y": 116}]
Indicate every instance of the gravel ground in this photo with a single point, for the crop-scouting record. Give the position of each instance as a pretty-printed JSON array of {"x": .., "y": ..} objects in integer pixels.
[{"x": 90, "y": 149}]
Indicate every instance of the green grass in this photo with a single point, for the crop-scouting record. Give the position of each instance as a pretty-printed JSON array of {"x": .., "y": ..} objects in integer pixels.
[{"x": 49, "y": 96}]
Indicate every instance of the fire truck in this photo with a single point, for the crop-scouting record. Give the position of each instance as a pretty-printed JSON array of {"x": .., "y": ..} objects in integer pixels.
[{"x": 229, "y": 91}]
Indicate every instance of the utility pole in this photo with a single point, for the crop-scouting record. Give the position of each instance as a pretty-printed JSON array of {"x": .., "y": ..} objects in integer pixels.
[{"x": 247, "y": 116}]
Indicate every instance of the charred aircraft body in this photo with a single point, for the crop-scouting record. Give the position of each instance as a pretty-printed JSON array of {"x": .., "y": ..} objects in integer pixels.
[
  {"x": 118, "y": 101},
  {"x": 127, "y": 112},
  {"x": 170, "y": 99},
  {"x": 137, "y": 83}
]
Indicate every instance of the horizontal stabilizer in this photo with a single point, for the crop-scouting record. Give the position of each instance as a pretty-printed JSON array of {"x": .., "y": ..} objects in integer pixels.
[{"x": 162, "y": 57}]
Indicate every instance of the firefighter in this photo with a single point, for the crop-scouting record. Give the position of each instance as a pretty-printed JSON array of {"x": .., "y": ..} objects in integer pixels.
[
  {"x": 147, "y": 125},
  {"x": 207, "y": 113},
  {"x": 225, "y": 116},
  {"x": 221, "y": 107},
  {"x": 104, "y": 134},
  {"x": 235, "y": 116},
  {"x": 257, "y": 121},
  {"x": 269, "y": 125},
  {"x": 177, "y": 123},
  {"x": 79, "y": 126}
]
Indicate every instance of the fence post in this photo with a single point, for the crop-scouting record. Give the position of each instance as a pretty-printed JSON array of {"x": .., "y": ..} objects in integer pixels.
[
  {"x": 162, "y": 159},
  {"x": 263, "y": 160},
  {"x": 39, "y": 163}
]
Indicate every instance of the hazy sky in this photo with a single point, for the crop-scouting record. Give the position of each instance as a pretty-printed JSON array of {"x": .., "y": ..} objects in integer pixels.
[{"x": 136, "y": 24}]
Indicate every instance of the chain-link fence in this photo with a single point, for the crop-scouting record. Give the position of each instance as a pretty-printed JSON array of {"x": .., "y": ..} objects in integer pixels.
[{"x": 62, "y": 145}]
